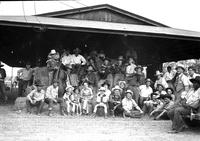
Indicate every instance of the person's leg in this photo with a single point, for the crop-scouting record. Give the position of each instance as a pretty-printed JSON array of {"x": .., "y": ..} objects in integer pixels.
[
  {"x": 24, "y": 86},
  {"x": 105, "y": 109},
  {"x": 61, "y": 102},
  {"x": 50, "y": 105},
  {"x": 2, "y": 91},
  {"x": 178, "y": 122},
  {"x": 40, "y": 106},
  {"x": 28, "y": 106},
  {"x": 20, "y": 88},
  {"x": 111, "y": 108}
]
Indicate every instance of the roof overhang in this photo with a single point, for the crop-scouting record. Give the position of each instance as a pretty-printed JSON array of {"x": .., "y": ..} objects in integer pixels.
[{"x": 98, "y": 27}]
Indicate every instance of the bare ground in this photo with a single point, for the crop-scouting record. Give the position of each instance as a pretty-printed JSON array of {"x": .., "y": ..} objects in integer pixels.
[{"x": 26, "y": 127}]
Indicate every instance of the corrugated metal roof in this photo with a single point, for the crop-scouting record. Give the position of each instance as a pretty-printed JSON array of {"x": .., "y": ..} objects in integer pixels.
[{"x": 97, "y": 26}]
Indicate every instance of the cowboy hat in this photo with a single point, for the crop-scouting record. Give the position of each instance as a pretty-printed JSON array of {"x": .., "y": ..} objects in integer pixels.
[
  {"x": 69, "y": 86},
  {"x": 169, "y": 89},
  {"x": 196, "y": 80},
  {"x": 116, "y": 88},
  {"x": 129, "y": 91},
  {"x": 166, "y": 96},
  {"x": 53, "y": 51},
  {"x": 90, "y": 68},
  {"x": 120, "y": 58},
  {"x": 148, "y": 80},
  {"x": 158, "y": 73},
  {"x": 138, "y": 67},
  {"x": 180, "y": 66},
  {"x": 38, "y": 83},
  {"x": 106, "y": 83},
  {"x": 1, "y": 65},
  {"x": 77, "y": 50},
  {"x": 120, "y": 82},
  {"x": 161, "y": 86},
  {"x": 102, "y": 89}
]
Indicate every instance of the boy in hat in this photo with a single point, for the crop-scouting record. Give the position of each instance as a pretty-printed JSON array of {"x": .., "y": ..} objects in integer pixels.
[
  {"x": 145, "y": 92},
  {"x": 123, "y": 86},
  {"x": 24, "y": 76},
  {"x": 181, "y": 82},
  {"x": 36, "y": 98},
  {"x": 52, "y": 98},
  {"x": 68, "y": 97},
  {"x": 101, "y": 101},
  {"x": 189, "y": 101},
  {"x": 2, "y": 84},
  {"x": 129, "y": 105}
]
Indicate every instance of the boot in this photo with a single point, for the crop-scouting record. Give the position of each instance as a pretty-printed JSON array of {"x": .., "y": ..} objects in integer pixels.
[{"x": 62, "y": 112}]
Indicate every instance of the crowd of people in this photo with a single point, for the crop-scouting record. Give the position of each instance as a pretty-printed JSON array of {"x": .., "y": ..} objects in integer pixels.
[{"x": 96, "y": 85}]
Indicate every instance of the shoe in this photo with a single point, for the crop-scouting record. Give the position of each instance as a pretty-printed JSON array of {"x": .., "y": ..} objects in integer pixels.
[{"x": 173, "y": 132}]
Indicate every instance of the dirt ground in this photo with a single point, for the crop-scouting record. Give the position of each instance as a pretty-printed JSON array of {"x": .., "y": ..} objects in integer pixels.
[{"x": 29, "y": 127}]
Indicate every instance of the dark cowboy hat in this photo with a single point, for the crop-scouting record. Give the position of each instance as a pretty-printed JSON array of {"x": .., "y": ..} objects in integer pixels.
[
  {"x": 166, "y": 96},
  {"x": 106, "y": 83},
  {"x": 38, "y": 83},
  {"x": 180, "y": 66},
  {"x": 169, "y": 89},
  {"x": 77, "y": 50},
  {"x": 196, "y": 80},
  {"x": 138, "y": 67},
  {"x": 1, "y": 65},
  {"x": 161, "y": 86}
]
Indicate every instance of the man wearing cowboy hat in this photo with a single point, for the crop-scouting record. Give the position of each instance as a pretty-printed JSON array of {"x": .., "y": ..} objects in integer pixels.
[
  {"x": 160, "y": 80},
  {"x": 145, "y": 92},
  {"x": 36, "y": 97},
  {"x": 52, "y": 97},
  {"x": 189, "y": 100},
  {"x": 181, "y": 82},
  {"x": 129, "y": 105},
  {"x": 135, "y": 81},
  {"x": 192, "y": 72},
  {"x": 2, "y": 84},
  {"x": 24, "y": 76},
  {"x": 77, "y": 58}
]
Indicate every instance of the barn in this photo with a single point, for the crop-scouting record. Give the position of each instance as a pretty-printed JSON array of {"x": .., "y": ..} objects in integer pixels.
[{"x": 101, "y": 27}]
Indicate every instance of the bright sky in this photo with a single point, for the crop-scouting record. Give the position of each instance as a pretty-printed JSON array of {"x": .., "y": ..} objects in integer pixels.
[{"x": 183, "y": 14}]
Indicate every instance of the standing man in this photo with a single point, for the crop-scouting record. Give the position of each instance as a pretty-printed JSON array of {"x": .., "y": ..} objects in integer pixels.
[
  {"x": 181, "y": 83},
  {"x": 24, "y": 77},
  {"x": 168, "y": 76},
  {"x": 2, "y": 85},
  {"x": 192, "y": 72}
]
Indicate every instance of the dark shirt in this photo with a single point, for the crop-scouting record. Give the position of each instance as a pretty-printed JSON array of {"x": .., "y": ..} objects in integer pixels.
[
  {"x": 3, "y": 74},
  {"x": 136, "y": 80}
]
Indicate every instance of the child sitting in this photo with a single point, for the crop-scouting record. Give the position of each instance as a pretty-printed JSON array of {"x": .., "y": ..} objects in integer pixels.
[
  {"x": 75, "y": 102},
  {"x": 102, "y": 101},
  {"x": 129, "y": 105},
  {"x": 67, "y": 97}
]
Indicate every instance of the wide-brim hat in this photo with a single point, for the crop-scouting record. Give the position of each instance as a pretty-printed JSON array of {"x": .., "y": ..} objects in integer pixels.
[
  {"x": 77, "y": 50},
  {"x": 1, "y": 65},
  {"x": 129, "y": 91},
  {"x": 180, "y": 66},
  {"x": 167, "y": 96},
  {"x": 121, "y": 58},
  {"x": 120, "y": 82},
  {"x": 53, "y": 51},
  {"x": 169, "y": 89},
  {"x": 148, "y": 80},
  {"x": 90, "y": 68},
  {"x": 102, "y": 89},
  {"x": 158, "y": 73},
  {"x": 196, "y": 80},
  {"x": 138, "y": 67},
  {"x": 161, "y": 86},
  {"x": 69, "y": 86},
  {"x": 117, "y": 88},
  {"x": 106, "y": 83},
  {"x": 38, "y": 83}
]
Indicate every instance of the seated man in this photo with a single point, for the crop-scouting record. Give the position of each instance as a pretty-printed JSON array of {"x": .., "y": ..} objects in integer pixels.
[
  {"x": 161, "y": 111},
  {"x": 102, "y": 101},
  {"x": 52, "y": 97},
  {"x": 129, "y": 105},
  {"x": 35, "y": 98},
  {"x": 189, "y": 100}
]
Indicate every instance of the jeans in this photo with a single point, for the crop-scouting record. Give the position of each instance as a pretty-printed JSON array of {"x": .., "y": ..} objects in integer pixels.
[
  {"x": 2, "y": 90},
  {"x": 38, "y": 104},
  {"x": 22, "y": 87}
]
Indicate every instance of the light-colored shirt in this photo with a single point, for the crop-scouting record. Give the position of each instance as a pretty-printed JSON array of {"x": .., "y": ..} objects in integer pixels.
[
  {"x": 129, "y": 104},
  {"x": 192, "y": 97},
  {"x": 35, "y": 95},
  {"x": 102, "y": 97},
  {"x": 25, "y": 74},
  {"x": 194, "y": 76},
  {"x": 130, "y": 69},
  {"x": 86, "y": 93},
  {"x": 182, "y": 82},
  {"x": 161, "y": 81},
  {"x": 78, "y": 59},
  {"x": 145, "y": 91},
  {"x": 66, "y": 60},
  {"x": 169, "y": 75},
  {"x": 52, "y": 93}
]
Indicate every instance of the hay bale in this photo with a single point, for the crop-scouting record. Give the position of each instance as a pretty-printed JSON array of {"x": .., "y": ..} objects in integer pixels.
[{"x": 20, "y": 103}]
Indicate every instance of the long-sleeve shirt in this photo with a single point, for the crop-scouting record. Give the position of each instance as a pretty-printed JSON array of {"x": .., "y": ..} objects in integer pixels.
[
  {"x": 129, "y": 104},
  {"x": 78, "y": 59},
  {"x": 25, "y": 74},
  {"x": 66, "y": 60},
  {"x": 161, "y": 81},
  {"x": 145, "y": 91},
  {"x": 86, "y": 93},
  {"x": 52, "y": 92},
  {"x": 2, "y": 74},
  {"x": 35, "y": 95}
]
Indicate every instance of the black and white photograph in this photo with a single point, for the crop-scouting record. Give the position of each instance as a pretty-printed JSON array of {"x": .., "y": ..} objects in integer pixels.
[{"x": 100, "y": 70}]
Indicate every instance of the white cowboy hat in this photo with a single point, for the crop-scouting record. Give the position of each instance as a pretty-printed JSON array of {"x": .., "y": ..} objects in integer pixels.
[
  {"x": 102, "y": 89},
  {"x": 116, "y": 88},
  {"x": 69, "y": 86},
  {"x": 53, "y": 51},
  {"x": 129, "y": 91},
  {"x": 180, "y": 66},
  {"x": 158, "y": 73}
]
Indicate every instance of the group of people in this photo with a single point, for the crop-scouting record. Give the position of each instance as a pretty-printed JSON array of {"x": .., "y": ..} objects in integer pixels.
[{"x": 96, "y": 85}]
